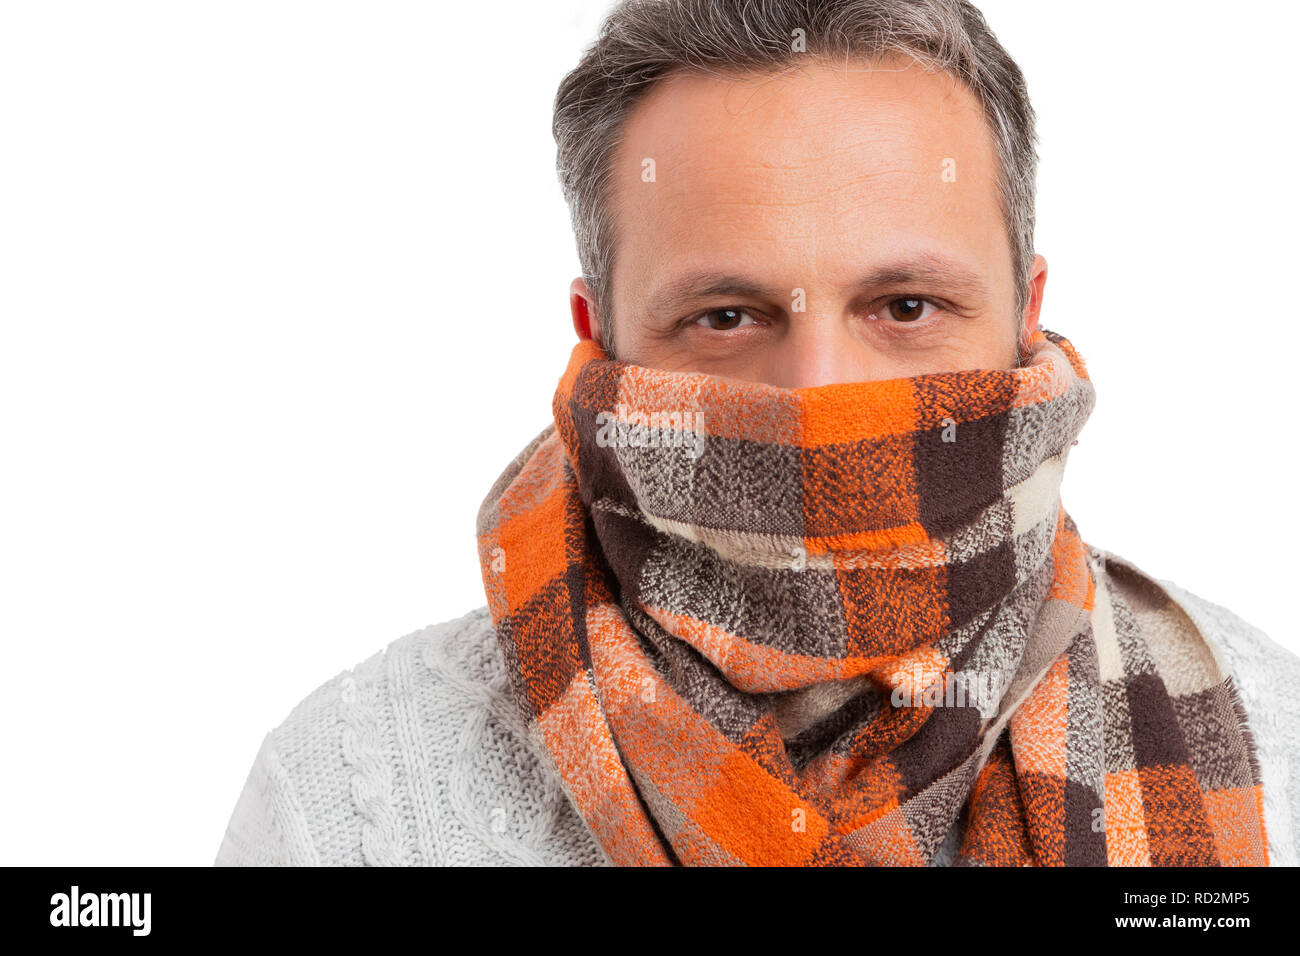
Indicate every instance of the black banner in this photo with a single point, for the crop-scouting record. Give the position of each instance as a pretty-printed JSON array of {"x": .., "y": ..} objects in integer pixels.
[{"x": 135, "y": 906}]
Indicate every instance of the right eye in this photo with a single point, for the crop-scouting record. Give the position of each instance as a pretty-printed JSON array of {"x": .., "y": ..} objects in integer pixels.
[{"x": 724, "y": 320}]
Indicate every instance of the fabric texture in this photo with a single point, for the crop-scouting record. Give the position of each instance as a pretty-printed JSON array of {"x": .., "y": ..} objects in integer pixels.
[
  {"x": 414, "y": 756},
  {"x": 451, "y": 761},
  {"x": 833, "y": 626}
]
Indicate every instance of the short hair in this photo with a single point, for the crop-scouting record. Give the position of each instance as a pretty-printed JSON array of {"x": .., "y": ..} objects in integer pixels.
[{"x": 643, "y": 41}]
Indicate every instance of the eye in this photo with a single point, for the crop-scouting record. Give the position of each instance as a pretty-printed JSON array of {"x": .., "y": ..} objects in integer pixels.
[
  {"x": 723, "y": 320},
  {"x": 907, "y": 309}
]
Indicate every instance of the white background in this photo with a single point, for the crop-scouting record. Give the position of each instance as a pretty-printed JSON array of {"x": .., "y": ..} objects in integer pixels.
[{"x": 283, "y": 287}]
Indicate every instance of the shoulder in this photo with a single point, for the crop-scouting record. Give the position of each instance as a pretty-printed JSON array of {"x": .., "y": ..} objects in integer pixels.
[
  {"x": 1238, "y": 644},
  {"x": 1265, "y": 675},
  {"x": 414, "y": 756}
]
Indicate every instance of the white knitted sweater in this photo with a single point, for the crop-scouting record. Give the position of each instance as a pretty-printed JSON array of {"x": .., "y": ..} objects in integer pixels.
[{"x": 417, "y": 757}]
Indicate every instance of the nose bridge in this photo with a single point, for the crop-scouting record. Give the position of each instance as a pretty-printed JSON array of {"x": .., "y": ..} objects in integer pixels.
[{"x": 820, "y": 348}]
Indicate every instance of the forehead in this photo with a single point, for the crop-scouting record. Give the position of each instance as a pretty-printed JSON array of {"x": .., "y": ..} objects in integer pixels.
[{"x": 821, "y": 161}]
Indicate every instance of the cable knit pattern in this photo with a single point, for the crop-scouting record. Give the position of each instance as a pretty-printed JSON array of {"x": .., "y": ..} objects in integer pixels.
[
  {"x": 414, "y": 757},
  {"x": 417, "y": 757},
  {"x": 372, "y": 777}
]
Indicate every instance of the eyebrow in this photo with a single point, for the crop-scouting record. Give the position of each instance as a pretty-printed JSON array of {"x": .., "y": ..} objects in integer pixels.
[
  {"x": 699, "y": 285},
  {"x": 921, "y": 269},
  {"x": 930, "y": 269}
]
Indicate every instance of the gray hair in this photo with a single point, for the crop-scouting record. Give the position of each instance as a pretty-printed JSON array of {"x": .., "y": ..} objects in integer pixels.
[{"x": 643, "y": 41}]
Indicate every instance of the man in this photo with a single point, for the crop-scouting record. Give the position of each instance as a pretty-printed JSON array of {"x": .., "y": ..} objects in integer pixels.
[{"x": 788, "y": 578}]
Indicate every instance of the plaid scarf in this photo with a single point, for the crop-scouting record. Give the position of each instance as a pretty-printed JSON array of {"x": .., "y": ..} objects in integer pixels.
[{"x": 754, "y": 625}]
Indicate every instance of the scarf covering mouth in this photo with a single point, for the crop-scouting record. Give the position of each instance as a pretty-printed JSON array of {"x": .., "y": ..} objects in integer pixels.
[{"x": 820, "y": 626}]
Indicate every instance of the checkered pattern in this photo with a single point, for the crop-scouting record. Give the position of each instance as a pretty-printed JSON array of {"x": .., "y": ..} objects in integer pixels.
[{"x": 753, "y": 625}]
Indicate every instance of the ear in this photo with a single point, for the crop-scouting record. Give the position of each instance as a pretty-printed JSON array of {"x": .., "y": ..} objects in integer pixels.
[
  {"x": 1033, "y": 301},
  {"x": 1028, "y": 323},
  {"x": 586, "y": 320}
]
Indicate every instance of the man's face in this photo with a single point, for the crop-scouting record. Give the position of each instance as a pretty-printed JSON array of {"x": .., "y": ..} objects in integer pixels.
[{"x": 819, "y": 227}]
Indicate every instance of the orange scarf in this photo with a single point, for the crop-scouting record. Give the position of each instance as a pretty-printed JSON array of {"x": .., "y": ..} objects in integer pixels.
[{"x": 753, "y": 625}]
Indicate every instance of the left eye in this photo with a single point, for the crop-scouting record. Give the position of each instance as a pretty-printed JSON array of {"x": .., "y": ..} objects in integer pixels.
[
  {"x": 723, "y": 320},
  {"x": 906, "y": 309}
]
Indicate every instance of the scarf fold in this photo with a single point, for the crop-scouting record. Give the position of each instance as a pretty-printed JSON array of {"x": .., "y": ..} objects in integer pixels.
[{"x": 824, "y": 626}]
